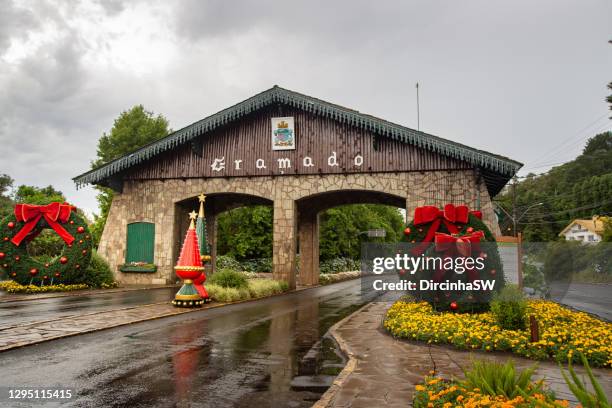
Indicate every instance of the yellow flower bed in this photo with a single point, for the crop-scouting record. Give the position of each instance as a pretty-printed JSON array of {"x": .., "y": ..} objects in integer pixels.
[
  {"x": 436, "y": 393},
  {"x": 563, "y": 332},
  {"x": 14, "y": 287}
]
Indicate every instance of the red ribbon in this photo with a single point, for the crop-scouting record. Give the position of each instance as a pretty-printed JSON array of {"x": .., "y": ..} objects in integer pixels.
[
  {"x": 454, "y": 245},
  {"x": 449, "y": 216},
  {"x": 54, "y": 214}
]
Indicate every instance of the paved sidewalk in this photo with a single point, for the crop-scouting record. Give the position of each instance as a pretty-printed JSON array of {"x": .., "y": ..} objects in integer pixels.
[
  {"x": 383, "y": 371},
  {"x": 38, "y": 332}
]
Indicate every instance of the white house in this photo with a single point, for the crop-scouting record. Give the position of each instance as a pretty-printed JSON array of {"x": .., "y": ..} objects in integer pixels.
[{"x": 584, "y": 230}]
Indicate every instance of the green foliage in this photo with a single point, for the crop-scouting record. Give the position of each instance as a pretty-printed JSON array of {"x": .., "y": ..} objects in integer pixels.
[
  {"x": 133, "y": 129},
  {"x": 227, "y": 262},
  {"x": 607, "y": 234},
  {"x": 563, "y": 260},
  {"x": 580, "y": 188},
  {"x": 341, "y": 227},
  {"x": 6, "y": 203},
  {"x": 256, "y": 288},
  {"x": 97, "y": 274},
  {"x": 245, "y": 233},
  {"x": 339, "y": 265},
  {"x": 228, "y": 278},
  {"x": 588, "y": 399},
  {"x": 38, "y": 195},
  {"x": 257, "y": 265},
  {"x": 509, "y": 308},
  {"x": 495, "y": 378}
]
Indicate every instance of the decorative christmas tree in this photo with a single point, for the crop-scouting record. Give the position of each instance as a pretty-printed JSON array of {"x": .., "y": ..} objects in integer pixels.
[
  {"x": 188, "y": 268},
  {"x": 201, "y": 231},
  {"x": 449, "y": 234},
  {"x": 204, "y": 249}
]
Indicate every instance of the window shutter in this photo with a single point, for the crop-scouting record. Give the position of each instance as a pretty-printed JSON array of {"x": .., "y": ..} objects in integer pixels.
[{"x": 140, "y": 242}]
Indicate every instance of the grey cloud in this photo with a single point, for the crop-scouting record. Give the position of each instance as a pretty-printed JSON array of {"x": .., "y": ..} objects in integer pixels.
[{"x": 15, "y": 22}]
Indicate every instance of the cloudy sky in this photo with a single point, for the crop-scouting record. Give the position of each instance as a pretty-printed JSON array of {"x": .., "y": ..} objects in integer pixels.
[{"x": 523, "y": 79}]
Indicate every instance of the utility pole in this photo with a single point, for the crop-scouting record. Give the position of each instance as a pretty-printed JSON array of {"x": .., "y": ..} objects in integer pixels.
[
  {"x": 514, "y": 220},
  {"x": 418, "y": 112}
]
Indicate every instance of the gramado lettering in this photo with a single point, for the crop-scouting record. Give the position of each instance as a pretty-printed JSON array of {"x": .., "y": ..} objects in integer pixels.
[{"x": 219, "y": 164}]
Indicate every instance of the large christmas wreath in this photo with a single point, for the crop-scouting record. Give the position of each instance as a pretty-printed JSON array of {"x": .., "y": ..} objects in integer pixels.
[
  {"x": 450, "y": 234},
  {"x": 17, "y": 230}
]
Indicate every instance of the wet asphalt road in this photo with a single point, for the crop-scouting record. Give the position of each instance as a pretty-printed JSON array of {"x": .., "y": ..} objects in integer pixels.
[
  {"x": 591, "y": 298},
  {"x": 30, "y": 311},
  {"x": 242, "y": 355}
]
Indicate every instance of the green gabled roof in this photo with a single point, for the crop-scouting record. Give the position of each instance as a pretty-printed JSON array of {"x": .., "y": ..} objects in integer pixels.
[{"x": 490, "y": 163}]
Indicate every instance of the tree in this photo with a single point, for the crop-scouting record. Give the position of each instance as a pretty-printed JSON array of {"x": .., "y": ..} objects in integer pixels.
[
  {"x": 38, "y": 195},
  {"x": 6, "y": 203},
  {"x": 132, "y": 129},
  {"x": 245, "y": 233},
  {"x": 341, "y": 228}
]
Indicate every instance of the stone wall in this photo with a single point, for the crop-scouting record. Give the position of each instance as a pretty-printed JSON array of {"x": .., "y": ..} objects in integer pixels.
[{"x": 156, "y": 201}]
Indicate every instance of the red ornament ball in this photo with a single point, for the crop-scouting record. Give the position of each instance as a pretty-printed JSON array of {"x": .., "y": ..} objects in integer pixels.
[
  {"x": 80, "y": 230},
  {"x": 45, "y": 277},
  {"x": 5, "y": 239},
  {"x": 11, "y": 225},
  {"x": 470, "y": 230},
  {"x": 17, "y": 258},
  {"x": 84, "y": 252},
  {"x": 493, "y": 272},
  {"x": 2, "y": 255},
  {"x": 71, "y": 222},
  {"x": 77, "y": 266},
  {"x": 13, "y": 274},
  {"x": 46, "y": 265},
  {"x": 33, "y": 271},
  {"x": 80, "y": 241},
  {"x": 63, "y": 260},
  {"x": 57, "y": 274},
  {"x": 454, "y": 306},
  {"x": 5, "y": 265},
  {"x": 407, "y": 231},
  {"x": 420, "y": 229}
]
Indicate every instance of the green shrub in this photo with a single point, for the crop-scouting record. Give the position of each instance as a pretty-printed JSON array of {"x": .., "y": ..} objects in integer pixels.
[
  {"x": 255, "y": 289},
  {"x": 257, "y": 265},
  {"x": 587, "y": 398},
  {"x": 228, "y": 278},
  {"x": 97, "y": 274},
  {"x": 509, "y": 308},
  {"x": 495, "y": 378},
  {"x": 339, "y": 265},
  {"x": 227, "y": 262}
]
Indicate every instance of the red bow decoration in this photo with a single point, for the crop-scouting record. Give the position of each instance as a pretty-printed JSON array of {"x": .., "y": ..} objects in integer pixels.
[
  {"x": 450, "y": 216},
  {"x": 54, "y": 214},
  {"x": 453, "y": 246}
]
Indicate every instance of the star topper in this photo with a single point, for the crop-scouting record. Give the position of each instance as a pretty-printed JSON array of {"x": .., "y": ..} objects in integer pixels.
[
  {"x": 193, "y": 215},
  {"x": 202, "y": 197}
]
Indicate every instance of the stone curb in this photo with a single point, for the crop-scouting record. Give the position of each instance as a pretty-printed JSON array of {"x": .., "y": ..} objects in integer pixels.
[
  {"x": 348, "y": 369},
  {"x": 84, "y": 292}
]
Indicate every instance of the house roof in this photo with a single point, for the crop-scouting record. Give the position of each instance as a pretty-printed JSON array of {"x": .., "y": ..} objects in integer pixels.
[
  {"x": 595, "y": 225},
  {"x": 496, "y": 170}
]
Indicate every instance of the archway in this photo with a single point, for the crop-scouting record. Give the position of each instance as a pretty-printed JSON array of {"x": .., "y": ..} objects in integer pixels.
[
  {"x": 215, "y": 204},
  {"x": 309, "y": 210}
]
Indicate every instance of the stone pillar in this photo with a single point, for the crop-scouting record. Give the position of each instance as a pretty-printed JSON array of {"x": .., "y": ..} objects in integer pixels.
[
  {"x": 309, "y": 247},
  {"x": 284, "y": 240}
]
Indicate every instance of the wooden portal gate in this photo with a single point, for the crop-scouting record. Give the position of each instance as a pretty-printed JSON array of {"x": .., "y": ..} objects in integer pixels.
[{"x": 298, "y": 154}]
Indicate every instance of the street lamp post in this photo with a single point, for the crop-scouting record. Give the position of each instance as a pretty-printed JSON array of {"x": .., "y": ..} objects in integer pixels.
[{"x": 516, "y": 218}]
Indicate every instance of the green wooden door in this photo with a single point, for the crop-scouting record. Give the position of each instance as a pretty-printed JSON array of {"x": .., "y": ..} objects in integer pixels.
[{"x": 140, "y": 242}]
